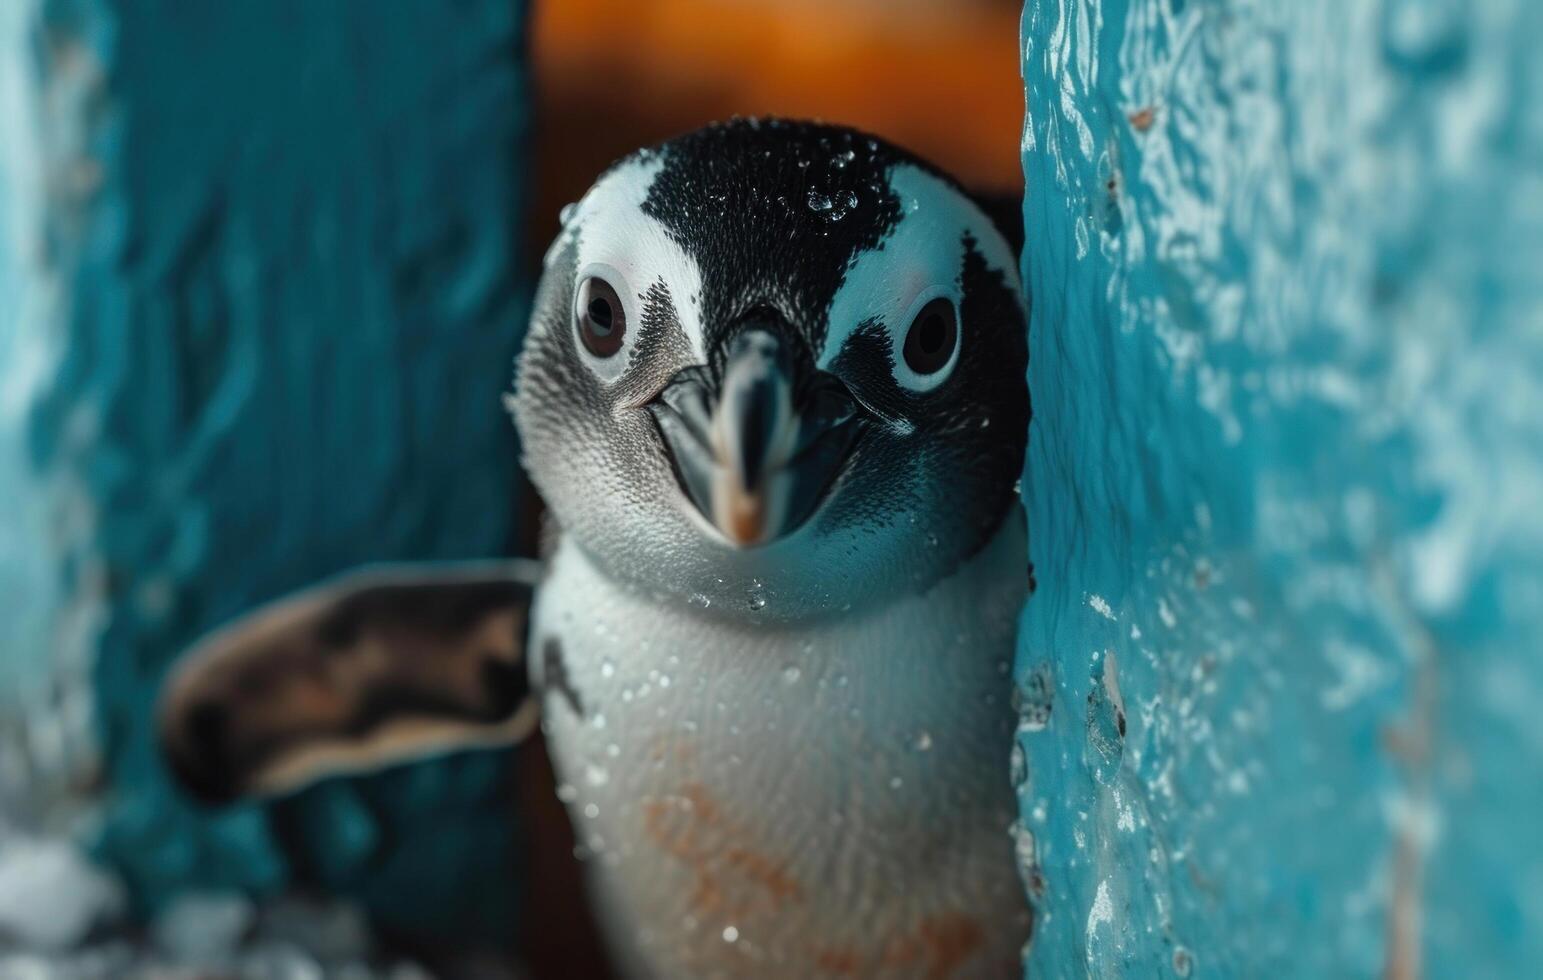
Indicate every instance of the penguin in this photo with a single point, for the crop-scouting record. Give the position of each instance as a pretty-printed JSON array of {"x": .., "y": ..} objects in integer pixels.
[{"x": 773, "y": 394}]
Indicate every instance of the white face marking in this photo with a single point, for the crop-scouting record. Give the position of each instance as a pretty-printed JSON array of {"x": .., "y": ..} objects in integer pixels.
[
  {"x": 920, "y": 259},
  {"x": 633, "y": 251}
]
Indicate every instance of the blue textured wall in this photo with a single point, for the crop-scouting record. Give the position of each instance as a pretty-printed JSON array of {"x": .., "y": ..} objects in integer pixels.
[
  {"x": 284, "y": 236},
  {"x": 1283, "y": 488},
  {"x": 27, "y": 591}
]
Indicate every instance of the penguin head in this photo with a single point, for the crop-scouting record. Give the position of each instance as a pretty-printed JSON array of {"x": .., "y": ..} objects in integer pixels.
[{"x": 776, "y": 367}]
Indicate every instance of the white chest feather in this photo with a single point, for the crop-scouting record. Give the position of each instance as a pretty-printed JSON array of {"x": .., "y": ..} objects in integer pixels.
[{"x": 828, "y": 799}]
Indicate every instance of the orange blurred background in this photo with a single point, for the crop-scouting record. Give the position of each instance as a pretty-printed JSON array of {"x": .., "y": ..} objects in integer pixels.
[{"x": 939, "y": 78}]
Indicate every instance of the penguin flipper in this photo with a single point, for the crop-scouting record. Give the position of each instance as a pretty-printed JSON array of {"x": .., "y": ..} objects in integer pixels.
[{"x": 377, "y": 666}]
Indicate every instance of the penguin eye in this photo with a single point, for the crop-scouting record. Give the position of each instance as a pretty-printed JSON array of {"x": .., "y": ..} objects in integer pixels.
[
  {"x": 602, "y": 320},
  {"x": 930, "y": 343}
]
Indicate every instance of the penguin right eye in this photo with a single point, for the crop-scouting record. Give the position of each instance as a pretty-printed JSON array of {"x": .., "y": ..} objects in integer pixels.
[
  {"x": 929, "y": 344},
  {"x": 602, "y": 321},
  {"x": 926, "y": 355}
]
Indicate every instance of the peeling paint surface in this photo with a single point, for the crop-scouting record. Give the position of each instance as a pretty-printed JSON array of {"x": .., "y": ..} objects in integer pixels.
[{"x": 1279, "y": 682}]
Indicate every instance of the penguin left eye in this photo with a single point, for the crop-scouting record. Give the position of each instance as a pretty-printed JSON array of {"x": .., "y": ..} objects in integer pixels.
[
  {"x": 930, "y": 347},
  {"x": 602, "y": 319}
]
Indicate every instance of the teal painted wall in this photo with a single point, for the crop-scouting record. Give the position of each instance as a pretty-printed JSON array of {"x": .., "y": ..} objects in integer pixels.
[
  {"x": 280, "y": 242},
  {"x": 28, "y": 590},
  {"x": 1279, "y": 683}
]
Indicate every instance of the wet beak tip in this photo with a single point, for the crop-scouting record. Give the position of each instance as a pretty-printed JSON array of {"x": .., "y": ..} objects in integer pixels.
[
  {"x": 741, "y": 517},
  {"x": 745, "y": 533}
]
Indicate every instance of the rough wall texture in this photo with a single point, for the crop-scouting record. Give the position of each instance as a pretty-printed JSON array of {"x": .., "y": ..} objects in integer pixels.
[
  {"x": 281, "y": 237},
  {"x": 27, "y": 589},
  {"x": 1280, "y": 680}
]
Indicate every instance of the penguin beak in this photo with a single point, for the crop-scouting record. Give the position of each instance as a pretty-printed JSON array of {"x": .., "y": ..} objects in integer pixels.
[{"x": 756, "y": 454}]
